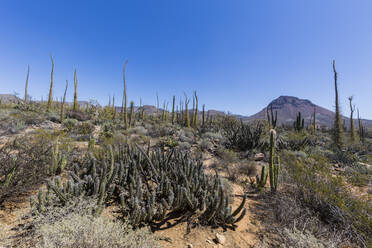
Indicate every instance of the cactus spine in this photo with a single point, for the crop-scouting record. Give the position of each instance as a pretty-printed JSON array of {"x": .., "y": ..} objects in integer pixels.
[
  {"x": 273, "y": 168},
  {"x": 50, "y": 98},
  {"x": 26, "y": 86},
  {"x": 75, "y": 107}
]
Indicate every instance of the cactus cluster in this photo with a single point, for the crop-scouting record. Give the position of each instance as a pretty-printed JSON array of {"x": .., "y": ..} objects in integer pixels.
[
  {"x": 299, "y": 124},
  {"x": 271, "y": 118},
  {"x": 58, "y": 161},
  {"x": 261, "y": 181},
  {"x": 148, "y": 186}
]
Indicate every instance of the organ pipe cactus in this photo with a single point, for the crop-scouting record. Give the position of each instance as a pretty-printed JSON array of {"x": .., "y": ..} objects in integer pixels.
[
  {"x": 173, "y": 113},
  {"x": 187, "y": 117},
  {"x": 273, "y": 167},
  {"x": 131, "y": 114},
  {"x": 299, "y": 124},
  {"x": 261, "y": 181},
  {"x": 271, "y": 118},
  {"x": 148, "y": 187}
]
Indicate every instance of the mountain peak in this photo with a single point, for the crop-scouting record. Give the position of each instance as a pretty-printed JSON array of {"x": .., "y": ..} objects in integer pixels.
[
  {"x": 291, "y": 101},
  {"x": 288, "y": 107}
]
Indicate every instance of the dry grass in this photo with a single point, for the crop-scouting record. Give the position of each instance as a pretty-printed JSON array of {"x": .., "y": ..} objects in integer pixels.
[{"x": 82, "y": 231}]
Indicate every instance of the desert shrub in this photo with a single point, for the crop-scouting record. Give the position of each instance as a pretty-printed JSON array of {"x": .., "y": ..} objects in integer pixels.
[
  {"x": 343, "y": 157},
  {"x": 204, "y": 144},
  {"x": 295, "y": 141},
  {"x": 184, "y": 146},
  {"x": 167, "y": 141},
  {"x": 24, "y": 164},
  {"x": 3, "y": 232},
  {"x": 233, "y": 173},
  {"x": 140, "y": 130},
  {"x": 78, "y": 115},
  {"x": 160, "y": 130},
  {"x": 107, "y": 130},
  {"x": 82, "y": 231},
  {"x": 15, "y": 126},
  {"x": 70, "y": 124},
  {"x": 84, "y": 128},
  {"x": 356, "y": 178},
  {"x": 212, "y": 136},
  {"x": 186, "y": 135},
  {"x": 241, "y": 136},
  {"x": 53, "y": 116},
  {"x": 247, "y": 168},
  {"x": 228, "y": 156},
  {"x": 294, "y": 238},
  {"x": 329, "y": 196}
]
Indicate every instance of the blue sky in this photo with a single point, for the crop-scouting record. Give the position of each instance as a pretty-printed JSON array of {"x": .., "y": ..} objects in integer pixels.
[{"x": 238, "y": 55}]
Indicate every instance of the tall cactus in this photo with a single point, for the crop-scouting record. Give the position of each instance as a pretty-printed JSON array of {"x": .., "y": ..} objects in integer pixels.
[
  {"x": 299, "y": 124},
  {"x": 63, "y": 104},
  {"x": 203, "y": 116},
  {"x": 195, "y": 116},
  {"x": 124, "y": 104},
  {"x": 131, "y": 114},
  {"x": 337, "y": 126},
  {"x": 261, "y": 181},
  {"x": 352, "y": 129},
  {"x": 271, "y": 118},
  {"x": 173, "y": 113},
  {"x": 187, "y": 117},
  {"x": 75, "y": 106},
  {"x": 361, "y": 130},
  {"x": 273, "y": 167},
  {"x": 50, "y": 97},
  {"x": 314, "y": 121},
  {"x": 26, "y": 85},
  {"x": 113, "y": 107}
]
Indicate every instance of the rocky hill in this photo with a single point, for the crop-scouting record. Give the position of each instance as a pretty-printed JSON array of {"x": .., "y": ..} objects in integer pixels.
[{"x": 288, "y": 107}]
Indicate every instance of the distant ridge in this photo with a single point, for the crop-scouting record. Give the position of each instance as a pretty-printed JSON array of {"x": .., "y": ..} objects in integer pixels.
[{"x": 287, "y": 108}]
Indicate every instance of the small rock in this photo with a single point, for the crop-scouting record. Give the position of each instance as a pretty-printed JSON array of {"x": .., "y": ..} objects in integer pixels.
[
  {"x": 208, "y": 241},
  {"x": 259, "y": 156},
  {"x": 220, "y": 238},
  {"x": 189, "y": 246}
]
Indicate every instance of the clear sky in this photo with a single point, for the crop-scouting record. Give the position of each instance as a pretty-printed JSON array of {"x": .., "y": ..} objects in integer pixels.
[{"x": 238, "y": 55}]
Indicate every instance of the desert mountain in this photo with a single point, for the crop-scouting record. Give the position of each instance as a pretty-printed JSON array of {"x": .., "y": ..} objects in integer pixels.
[{"x": 288, "y": 107}]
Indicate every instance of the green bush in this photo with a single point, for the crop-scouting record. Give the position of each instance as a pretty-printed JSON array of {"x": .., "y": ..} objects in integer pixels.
[
  {"x": 330, "y": 196},
  {"x": 70, "y": 124}
]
